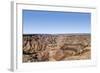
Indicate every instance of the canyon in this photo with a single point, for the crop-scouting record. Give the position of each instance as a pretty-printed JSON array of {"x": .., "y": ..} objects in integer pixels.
[{"x": 56, "y": 47}]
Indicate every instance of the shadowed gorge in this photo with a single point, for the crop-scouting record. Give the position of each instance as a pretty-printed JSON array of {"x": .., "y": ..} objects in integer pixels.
[{"x": 56, "y": 47}]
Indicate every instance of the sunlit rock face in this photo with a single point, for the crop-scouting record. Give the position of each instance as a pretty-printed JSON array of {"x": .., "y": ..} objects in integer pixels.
[{"x": 56, "y": 47}]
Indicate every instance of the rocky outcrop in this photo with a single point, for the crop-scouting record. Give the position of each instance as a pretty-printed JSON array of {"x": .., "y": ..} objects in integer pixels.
[{"x": 49, "y": 47}]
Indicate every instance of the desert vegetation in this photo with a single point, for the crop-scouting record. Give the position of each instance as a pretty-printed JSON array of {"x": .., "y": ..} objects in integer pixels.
[{"x": 56, "y": 47}]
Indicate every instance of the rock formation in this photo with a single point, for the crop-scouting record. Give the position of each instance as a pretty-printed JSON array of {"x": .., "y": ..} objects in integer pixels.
[{"x": 56, "y": 47}]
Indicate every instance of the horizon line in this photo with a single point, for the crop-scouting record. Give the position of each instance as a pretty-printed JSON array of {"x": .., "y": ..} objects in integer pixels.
[{"x": 55, "y": 33}]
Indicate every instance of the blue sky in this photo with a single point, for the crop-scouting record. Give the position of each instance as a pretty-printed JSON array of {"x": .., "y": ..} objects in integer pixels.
[{"x": 35, "y": 21}]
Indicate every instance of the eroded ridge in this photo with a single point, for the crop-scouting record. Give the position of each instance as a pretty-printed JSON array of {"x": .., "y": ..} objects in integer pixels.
[{"x": 56, "y": 47}]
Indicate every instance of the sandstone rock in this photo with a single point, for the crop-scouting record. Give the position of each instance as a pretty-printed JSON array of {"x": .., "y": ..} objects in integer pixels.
[
  {"x": 26, "y": 58},
  {"x": 59, "y": 55}
]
